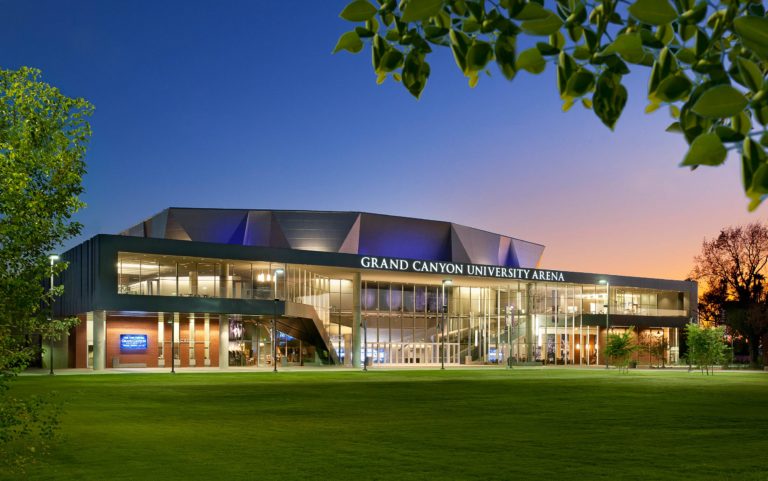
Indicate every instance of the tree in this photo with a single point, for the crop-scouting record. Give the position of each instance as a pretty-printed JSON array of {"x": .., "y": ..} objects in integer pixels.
[
  {"x": 733, "y": 266},
  {"x": 620, "y": 347},
  {"x": 706, "y": 348},
  {"x": 43, "y": 138},
  {"x": 656, "y": 345},
  {"x": 708, "y": 61}
]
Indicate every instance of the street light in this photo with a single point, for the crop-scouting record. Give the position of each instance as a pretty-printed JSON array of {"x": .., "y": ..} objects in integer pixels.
[
  {"x": 53, "y": 258},
  {"x": 274, "y": 323},
  {"x": 443, "y": 309},
  {"x": 365, "y": 344},
  {"x": 607, "y": 315}
]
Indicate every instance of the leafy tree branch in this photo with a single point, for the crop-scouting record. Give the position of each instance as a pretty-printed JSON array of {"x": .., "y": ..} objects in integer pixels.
[{"x": 707, "y": 60}]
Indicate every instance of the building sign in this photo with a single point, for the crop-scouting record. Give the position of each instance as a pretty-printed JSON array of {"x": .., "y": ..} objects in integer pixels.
[
  {"x": 133, "y": 342},
  {"x": 452, "y": 268}
]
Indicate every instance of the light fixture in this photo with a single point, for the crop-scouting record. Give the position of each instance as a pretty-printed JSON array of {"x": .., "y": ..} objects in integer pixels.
[
  {"x": 53, "y": 258},
  {"x": 607, "y": 311}
]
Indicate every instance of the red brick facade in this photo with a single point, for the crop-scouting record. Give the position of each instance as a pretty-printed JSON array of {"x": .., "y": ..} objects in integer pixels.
[{"x": 117, "y": 325}]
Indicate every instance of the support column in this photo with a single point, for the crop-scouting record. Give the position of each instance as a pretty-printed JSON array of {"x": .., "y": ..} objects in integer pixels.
[
  {"x": 176, "y": 340},
  {"x": 191, "y": 339},
  {"x": 357, "y": 320},
  {"x": 160, "y": 340},
  {"x": 89, "y": 340},
  {"x": 193, "y": 281},
  {"x": 224, "y": 280},
  {"x": 207, "y": 340},
  {"x": 348, "y": 349},
  {"x": 99, "y": 340},
  {"x": 529, "y": 328},
  {"x": 223, "y": 341}
]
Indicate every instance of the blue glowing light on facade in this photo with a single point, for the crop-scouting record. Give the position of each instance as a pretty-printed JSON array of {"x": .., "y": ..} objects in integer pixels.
[{"x": 133, "y": 342}]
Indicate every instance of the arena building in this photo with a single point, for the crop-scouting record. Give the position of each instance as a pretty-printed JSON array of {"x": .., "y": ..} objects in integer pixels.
[{"x": 225, "y": 287}]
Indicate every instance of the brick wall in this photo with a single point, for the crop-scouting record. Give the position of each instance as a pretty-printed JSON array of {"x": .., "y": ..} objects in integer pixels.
[
  {"x": 78, "y": 344},
  {"x": 117, "y": 325},
  {"x": 131, "y": 325}
]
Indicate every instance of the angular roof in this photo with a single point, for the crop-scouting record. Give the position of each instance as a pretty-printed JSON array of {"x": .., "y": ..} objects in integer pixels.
[{"x": 358, "y": 233}]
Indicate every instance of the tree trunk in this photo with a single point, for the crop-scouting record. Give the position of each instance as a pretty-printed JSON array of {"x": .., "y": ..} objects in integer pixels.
[{"x": 754, "y": 351}]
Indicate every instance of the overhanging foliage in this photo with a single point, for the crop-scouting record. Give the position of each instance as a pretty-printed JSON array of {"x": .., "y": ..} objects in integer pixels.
[{"x": 708, "y": 60}]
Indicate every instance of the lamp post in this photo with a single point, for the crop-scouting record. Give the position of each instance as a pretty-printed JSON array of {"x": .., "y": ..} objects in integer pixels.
[
  {"x": 365, "y": 344},
  {"x": 53, "y": 258},
  {"x": 607, "y": 315},
  {"x": 443, "y": 310},
  {"x": 510, "y": 316},
  {"x": 274, "y": 323}
]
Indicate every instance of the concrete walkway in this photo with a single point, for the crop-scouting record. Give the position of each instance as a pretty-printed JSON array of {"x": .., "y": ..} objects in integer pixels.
[{"x": 251, "y": 369}]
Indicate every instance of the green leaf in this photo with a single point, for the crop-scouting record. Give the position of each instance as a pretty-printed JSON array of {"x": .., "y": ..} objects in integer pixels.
[
  {"x": 653, "y": 12},
  {"x": 505, "y": 55},
  {"x": 581, "y": 52},
  {"x": 720, "y": 101},
  {"x": 755, "y": 201},
  {"x": 665, "y": 34},
  {"x": 581, "y": 82},
  {"x": 694, "y": 15},
  {"x": 752, "y": 157},
  {"x": 566, "y": 66},
  {"x": 531, "y": 60},
  {"x": 473, "y": 78},
  {"x": 350, "y": 42},
  {"x": 547, "y": 49},
  {"x": 675, "y": 128},
  {"x": 673, "y": 88},
  {"x": 543, "y": 26},
  {"x": 417, "y": 10},
  {"x": 686, "y": 55},
  {"x": 391, "y": 60},
  {"x": 459, "y": 46},
  {"x": 478, "y": 55},
  {"x": 706, "y": 149},
  {"x": 532, "y": 11},
  {"x": 750, "y": 73},
  {"x": 727, "y": 134},
  {"x": 609, "y": 98},
  {"x": 415, "y": 73},
  {"x": 629, "y": 46},
  {"x": 761, "y": 113},
  {"x": 392, "y": 35},
  {"x": 358, "y": 11},
  {"x": 754, "y": 34},
  {"x": 651, "y": 108},
  {"x": 741, "y": 123},
  {"x": 759, "y": 181}
]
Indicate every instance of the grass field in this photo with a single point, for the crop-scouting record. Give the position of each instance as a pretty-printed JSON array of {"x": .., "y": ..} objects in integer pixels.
[{"x": 453, "y": 424}]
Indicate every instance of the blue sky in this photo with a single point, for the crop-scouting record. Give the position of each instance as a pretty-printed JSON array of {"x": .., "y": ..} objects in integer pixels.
[{"x": 241, "y": 104}]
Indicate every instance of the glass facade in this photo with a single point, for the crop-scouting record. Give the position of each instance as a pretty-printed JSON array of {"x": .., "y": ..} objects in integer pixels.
[{"x": 486, "y": 322}]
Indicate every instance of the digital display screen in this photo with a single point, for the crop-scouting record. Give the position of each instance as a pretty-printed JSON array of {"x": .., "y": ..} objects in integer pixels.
[{"x": 133, "y": 342}]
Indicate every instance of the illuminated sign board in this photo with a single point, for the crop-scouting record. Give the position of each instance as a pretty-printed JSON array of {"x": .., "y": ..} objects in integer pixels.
[
  {"x": 133, "y": 342},
  {"x": 453, "y": 268}
]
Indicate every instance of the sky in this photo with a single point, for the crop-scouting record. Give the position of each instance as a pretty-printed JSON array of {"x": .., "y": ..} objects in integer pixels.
[{"x": 240, "y": 104}]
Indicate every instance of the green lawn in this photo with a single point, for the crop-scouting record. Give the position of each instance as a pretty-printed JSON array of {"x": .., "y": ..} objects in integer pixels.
[{"x": 454, "y": 424}]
